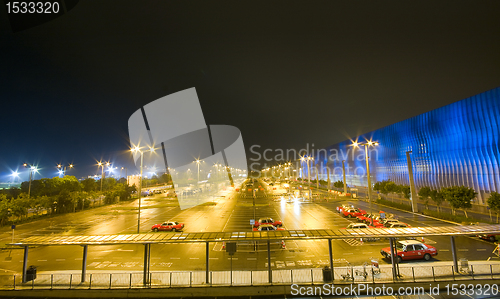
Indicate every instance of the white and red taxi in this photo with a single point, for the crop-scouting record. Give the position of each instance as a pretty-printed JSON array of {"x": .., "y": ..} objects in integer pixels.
[{"x": 410, "y": 250}]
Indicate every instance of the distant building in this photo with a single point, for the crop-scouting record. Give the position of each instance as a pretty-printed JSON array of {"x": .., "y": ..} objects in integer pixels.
[{"x": 454, "y": 145}]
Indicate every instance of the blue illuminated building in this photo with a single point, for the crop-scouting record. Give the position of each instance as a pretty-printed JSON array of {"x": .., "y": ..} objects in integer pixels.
[{"x": 453, "y": 145}]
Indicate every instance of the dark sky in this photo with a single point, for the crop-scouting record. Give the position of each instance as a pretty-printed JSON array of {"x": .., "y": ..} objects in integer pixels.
[{"x": 286, "y": 73}]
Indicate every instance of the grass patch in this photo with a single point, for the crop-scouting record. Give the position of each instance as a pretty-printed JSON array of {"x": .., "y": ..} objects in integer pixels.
[
  {"x": 454, "y": 218},
  {"x": 394, "y": 204}
]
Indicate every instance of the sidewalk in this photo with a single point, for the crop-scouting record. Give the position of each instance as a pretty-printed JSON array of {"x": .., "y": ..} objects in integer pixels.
[{"x": 410, "y": 272}]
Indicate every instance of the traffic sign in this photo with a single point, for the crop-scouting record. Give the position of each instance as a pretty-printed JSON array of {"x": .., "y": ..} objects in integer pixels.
[
  {"x": 252, "y": 221},
  {"x": 13, "y": 226}
]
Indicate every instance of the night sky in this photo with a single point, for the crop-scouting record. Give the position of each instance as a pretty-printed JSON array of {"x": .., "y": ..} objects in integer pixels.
[{"x": 286, "y": 73}]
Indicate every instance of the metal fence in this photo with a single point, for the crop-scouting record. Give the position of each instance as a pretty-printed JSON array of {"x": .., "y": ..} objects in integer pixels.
[{"x": 172, "y": 279}]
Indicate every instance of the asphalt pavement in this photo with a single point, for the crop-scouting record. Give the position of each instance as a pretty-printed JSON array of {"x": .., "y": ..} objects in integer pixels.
[{"x": 231, "y": 212}]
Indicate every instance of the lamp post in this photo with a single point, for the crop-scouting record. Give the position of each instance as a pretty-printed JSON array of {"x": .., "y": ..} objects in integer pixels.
[
  {"x": 100, "y": 164},
  {"x": 31, "y": 168},
  {"x": 197, "y": 161},
  {"x": 126, "y": 173},
  {"x": 64, "y": 169},
  {"x": 413, "y": 191},
  {"x": 138, "y": 150},
  {"x": 366, "y": 145},
  {"x": 343, "y": 174}
]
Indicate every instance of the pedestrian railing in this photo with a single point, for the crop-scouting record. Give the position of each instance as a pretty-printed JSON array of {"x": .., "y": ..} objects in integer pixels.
[{"x": 172, "y": 279}]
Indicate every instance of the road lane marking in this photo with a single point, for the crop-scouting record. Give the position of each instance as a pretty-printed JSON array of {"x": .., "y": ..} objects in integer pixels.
[
  {"x": 194, "y": 258},
  {"x": 463, "y": 250},
  {"x": 60, "y": 260},
  {"x": 234, "y": 258},
  {"x": 175, "y": 258},
  {"x": 251, "y": 258},
  {"x": 213, "y": 258},
  {"x": 481, "y": 249},
  {"x": 42, "y": 260},
  {"x": 348, "y": 253},
  {"x": 444, "y": 250}
]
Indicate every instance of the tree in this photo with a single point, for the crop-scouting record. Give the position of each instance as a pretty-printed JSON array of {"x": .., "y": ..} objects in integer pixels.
[
  {"x": 424, "y": 193},
  {"x": 338, "y": 184},
  {"x": 20, "y": 205},
  {"x": 459, "y": 197},
  {"x": 437, "y": 198},
  {"x": 4, "y": 209},
  {"x": 89, "y": 185},
  {"x": 405, "y": 191},
  {"x": 494, "y": 203},
  {"x": 385, "y": 187},
  {"x": 165, "y": 178}
]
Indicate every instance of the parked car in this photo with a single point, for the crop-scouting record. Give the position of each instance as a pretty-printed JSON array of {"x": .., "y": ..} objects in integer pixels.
[
  {"x": 491, "y": 238},
  {"x": 341, "y": 208},
  {"x": 352, "y": 212},
  {"x": 410, "y": 250},
  {"x": 168, "y": 226},
  {"x": 388, "y": 221},
  {"x": 363, "y": 217},
  {"x": 357, "y": 226},
  {"x": 268, "y": 221},
  {"x": 267, "y": 227},
  {"x": 397, "y": 225}
]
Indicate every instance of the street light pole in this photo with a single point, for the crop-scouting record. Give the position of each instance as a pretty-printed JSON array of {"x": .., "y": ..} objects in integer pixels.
[
  {"x": 413, "y": 191},
  {"x": 343, "y": 172},
  {"x": 368, "y": 174},
  {"x": 368, "y": 171},
  {"x": 140, "y": 193},
  {"x": 138, "y": 149},
  {"x": 31, "y": 168}
]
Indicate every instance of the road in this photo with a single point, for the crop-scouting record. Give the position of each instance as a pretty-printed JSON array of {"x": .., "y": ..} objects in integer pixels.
[{"x": 232, "y": 213}]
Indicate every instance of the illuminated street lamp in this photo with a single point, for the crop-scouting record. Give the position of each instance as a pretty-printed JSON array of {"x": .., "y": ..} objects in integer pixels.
[
  {"x": 137, "y": 149},
  {"x": 100, "y": 164},
  {"x": 126, "y": 175},
  {"x": 32, "y": 169},
  {"x": 197, "y": 161},
  {"x": 14, "y": 175},
  {"x": 366, "y": 145},
  {"x": 63, "y": 171}
]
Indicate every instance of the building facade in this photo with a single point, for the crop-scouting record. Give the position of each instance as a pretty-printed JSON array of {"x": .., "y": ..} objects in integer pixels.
[{"x": 454, "y": 145}]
